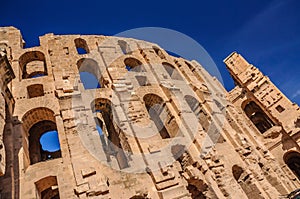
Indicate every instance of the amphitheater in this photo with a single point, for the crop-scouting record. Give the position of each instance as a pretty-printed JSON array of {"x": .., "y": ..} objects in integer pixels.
[{"x": 153, "y": 125}]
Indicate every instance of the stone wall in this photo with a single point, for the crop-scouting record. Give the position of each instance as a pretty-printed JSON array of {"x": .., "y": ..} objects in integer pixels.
[{"x": 168, "y": 128}]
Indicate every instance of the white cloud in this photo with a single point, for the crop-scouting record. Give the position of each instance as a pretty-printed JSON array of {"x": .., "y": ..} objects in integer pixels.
[{"x": 296, "y": 94}]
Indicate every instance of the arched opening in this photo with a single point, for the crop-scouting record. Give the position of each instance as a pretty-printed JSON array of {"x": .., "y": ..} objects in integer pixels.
[
  {"x": 158, "y": 52},
  {"x": 47, "y": 188},
  {"x": 90, "y": 74},
  {"x": 40, "y": 125},
  {"x": 198, "y": 110},
  {"x": 292, "y": 160},
  {"x": 124, "y": 46},
  {"x": 81, "y": 46},
  {"x": 33, "y": 64},
  {"x": 104, "y": 120},
  {"x": 159, "y": 113},
  {"x": 35, "y": 90},
  {"x": 195, "y": 186},
  {"x": 142, "y": 80},
  {"x": 258, "y": 117},
  {"x": 172, "y": 71},
  {"x": 41, "y": 149},
  {"x": 244, "y": 180},
  {"x": 134, "y": 65}
]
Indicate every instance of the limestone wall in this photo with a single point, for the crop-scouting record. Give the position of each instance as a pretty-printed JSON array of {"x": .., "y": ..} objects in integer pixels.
[{"x": 169, "y": 129}]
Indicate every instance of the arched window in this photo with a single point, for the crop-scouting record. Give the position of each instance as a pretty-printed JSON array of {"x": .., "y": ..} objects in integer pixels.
[
  {"x": 40, "y": 125},
  {"x": 47, "y": 188},
  {"x": 244, "y": 180},
  {"x": 198, "y": 110},
  {"x": 124, "y": 47},
  {"x": 158, "y": 52},
  {"x": 292, "y": 159},
  {"x": 134, "y": 65},
  {"x": 33, "y": 64},
  {"x": 81, "y": 46},
  {"x": 172, "y": 71},
  {"x": 161, "y": 116},
  {"x": 90, "y": 74},
  {"x": 102, "y": 107},
  {"x": 258, "y": 117}
]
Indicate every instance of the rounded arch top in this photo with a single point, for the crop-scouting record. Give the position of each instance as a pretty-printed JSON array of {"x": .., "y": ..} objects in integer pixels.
[
  {"x": 133, "y": 64},
  {"x": 36, "y": 115},
  {"x": 151, "y": 99},
  {"x": 101, "y": 104},
  {"x": 37, "y": 62},
  {"x": 81, "y": 46}
]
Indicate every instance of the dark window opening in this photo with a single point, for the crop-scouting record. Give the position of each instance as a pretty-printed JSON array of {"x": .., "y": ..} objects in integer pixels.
[
  {"x": 159, "y": 113},
  {"x": 280, "y": 109},
  {"x": 81, "y": 46},
  {"x": 198, "y": 110},
  {"x": 159, "y": 52},
  {"x": 35, "y": 90},
  {"x": 172, "y": 71},
  {"x": 134, "y": 65},
  {"x": 90, "y": 74},
  {"x": 292, "y": 159},
  {"x": 113, "y": 147},
  {"x": 47, "y": 188},
  {"x": 258, "y": 117},
  {"x": 244, "y": 180},
  {"x": 43, "y": 142}
]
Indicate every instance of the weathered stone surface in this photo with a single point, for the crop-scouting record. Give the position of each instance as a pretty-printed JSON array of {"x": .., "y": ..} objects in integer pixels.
[{"x": 168, "y": 129}]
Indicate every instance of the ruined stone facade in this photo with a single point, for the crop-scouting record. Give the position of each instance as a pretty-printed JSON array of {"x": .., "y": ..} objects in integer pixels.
[{"x": 169, "y": 129}]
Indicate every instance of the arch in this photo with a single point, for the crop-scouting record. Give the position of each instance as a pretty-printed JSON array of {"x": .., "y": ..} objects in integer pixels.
[
  {"x": 90, "y": 74},
  {"x": 35, "y": 115},
  {"x": 124, "y": 46},
  {"x": 35, "y": 90},
  {"x": 158, "y": 52},
  {"x": 37, "y": 122},
  {"x": 134, "y": 65},
  {"x": 81, "y": 46},
  {"x": 47, "y": 188},
  {"x": 33, "y": 64},
  {"x": 159, "y": 113},
  {"x": 172, "y": 71},
  {"x": 245, "y": 182},
  {"x": 198, "y": 110},
  {"x": 192, "y": 68},
  {"x": 259, "y": 118},
  {"x": 237, "y": 171},
  {"x": 292, "y": 160},
  {"x": 103, "y": 109}
]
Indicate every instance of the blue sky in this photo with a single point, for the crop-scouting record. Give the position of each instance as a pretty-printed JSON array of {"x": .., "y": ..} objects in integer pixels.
[{"x": 266, "y": 32}]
